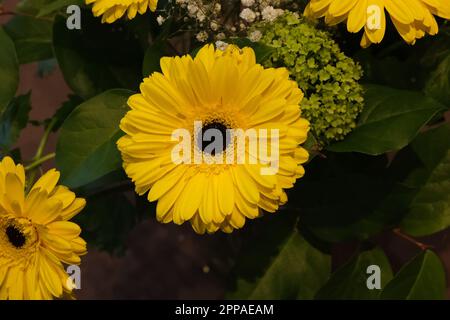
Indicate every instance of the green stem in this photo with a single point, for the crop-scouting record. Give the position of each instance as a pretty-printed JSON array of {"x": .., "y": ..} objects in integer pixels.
[
  {"x": 38, "y": 159},
  {"x": 44, "y": 140},
  {"x": 38, "y": 162}
]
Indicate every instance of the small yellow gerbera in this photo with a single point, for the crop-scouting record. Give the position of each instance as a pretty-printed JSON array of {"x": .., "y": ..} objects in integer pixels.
[
  {"x": 412, "y": 18},
  {"x": 111, "y": 10},
  {"x": 225, "y": 91},
  {"x": 36, "y": 237}
]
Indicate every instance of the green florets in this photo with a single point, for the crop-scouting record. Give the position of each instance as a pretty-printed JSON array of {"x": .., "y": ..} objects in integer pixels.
[{"x": 328, "y": 78}]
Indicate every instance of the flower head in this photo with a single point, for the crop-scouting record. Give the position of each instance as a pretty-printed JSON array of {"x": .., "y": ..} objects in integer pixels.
[
  {"x": 412, "y": 18},
  {"x": 255, "y": 36},
  {"x": 223, "y": 92},
  {"x": 36, "y": 237},
  {"x": 269, "y": 13},
  {"x": 111, "y": 10},
  {"x": 160, "y": 20},
  {"x": 248, "y": 15},
  {"x": 202, "y": 36},
  {"x": 247, "y": 3},
  {"x": 333, "y": 97}
]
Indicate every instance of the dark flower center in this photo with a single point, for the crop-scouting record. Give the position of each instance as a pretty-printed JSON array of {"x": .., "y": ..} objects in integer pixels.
[
  {"x": 15, "y": 237},
  {"x": 209, "y": 135}
]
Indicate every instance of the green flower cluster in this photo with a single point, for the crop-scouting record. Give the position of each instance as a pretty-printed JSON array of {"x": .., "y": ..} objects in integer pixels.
[{"x": 328, "y": 78}]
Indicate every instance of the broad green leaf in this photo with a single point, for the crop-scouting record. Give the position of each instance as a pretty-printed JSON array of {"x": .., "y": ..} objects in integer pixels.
[
  {"x": 346, "y": 197},
  {"x": 58, "y": 5},
  {"x": 98, "y": 57},
  {"x": 152, "y": 58},
  {"x": 429, "y": 211},
  {"x": 32, "y": 38},
  {"x": 157, "y": 49},
  {"x": 390, "y": 71},
  {"x": 64, "y": 111},
  {"x": 350, "y": 281},
  {"x": 86, "y": 149},
  {"x": 9, "y": 69},
  {"x": 32, "y": 6},
  {"x": 13, "y": 119},
  {"x": 262, "y": 51},
  {"x": 438, "y": 84},
  {"x": 390, "y": 120},
  {"x": 107, "y": 221},
  {"x": 279, "y": 264},
  {"x": 437, "y": 61},
  {"x": 423, "y": 278}
]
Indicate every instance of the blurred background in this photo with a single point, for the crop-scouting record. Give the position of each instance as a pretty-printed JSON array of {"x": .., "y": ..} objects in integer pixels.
[{"x": 168, "y": 261}]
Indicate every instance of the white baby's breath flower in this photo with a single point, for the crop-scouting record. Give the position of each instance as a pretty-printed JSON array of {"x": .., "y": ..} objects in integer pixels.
[
  {"x": 192, "y": 9},
  {"x": 248, "y": 15},
  {"x": 160, "y": 19},
  {"x": 269, "y": 13},
  {"x": 255, "y": 36},
  {"x": 214, "y": 26},
  {"x": 201, "y": 16},
  {"x": 247, "y": 3},
  {"x": 220, "y": 36},
  {"x": 221, "y": 45},
  {"x": 202, "y": 36}
]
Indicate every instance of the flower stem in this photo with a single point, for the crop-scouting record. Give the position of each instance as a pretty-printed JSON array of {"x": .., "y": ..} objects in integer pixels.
[
  {"x": 40, "y": 161},
  {"x": 44, "y": 139},
  {"x": 419, "y": 244}
]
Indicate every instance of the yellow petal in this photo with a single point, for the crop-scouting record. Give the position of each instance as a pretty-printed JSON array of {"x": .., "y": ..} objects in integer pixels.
[{"x": 48, "y": 181}]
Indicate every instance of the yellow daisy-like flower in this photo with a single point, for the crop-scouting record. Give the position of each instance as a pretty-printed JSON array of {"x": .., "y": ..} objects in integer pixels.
[
  {"x": 412, "y": 18},
  {"x": 112, "y": 10},
  {"x": 36, "y": 237},
  {"x": 222, "y": 90}
]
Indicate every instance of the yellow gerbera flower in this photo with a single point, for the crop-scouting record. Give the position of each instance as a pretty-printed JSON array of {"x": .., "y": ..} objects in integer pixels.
[
  {"x": 35, "y": 236},
  {"x": 111, "y": 10},
  {"x": 412, "y": 18},
  {"x": 221, "y": 90}
]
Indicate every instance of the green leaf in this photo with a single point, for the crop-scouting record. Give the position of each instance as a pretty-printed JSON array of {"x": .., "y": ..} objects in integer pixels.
[
  {"x": 9, "y": 69},
  {"x": 423, "y": 278},
  {"x": 350, "y": 281},
  {"x": 86, "y": 149},
  {"x": 347, "y": 197},
  {"x": 107, "y": 220},
  {"x": 438, "y": 84},
  {"x": 429, "y": 211},
  {"x": 32, "y": 38},
  {"x": 279, "y": 264},
  {"x": 13, "y": 119},
  {"x": 152, "y": 58},
  {"x": 262, "y": 51},
  {"x": 32, "y": 6},
  {"x": 157, "y": 49},
  {"x": 390, "y": 120},
  {"x": 98, "y": 57},
  {"x": 58, "y": 5},
  {"x": 65, "y": 110}
]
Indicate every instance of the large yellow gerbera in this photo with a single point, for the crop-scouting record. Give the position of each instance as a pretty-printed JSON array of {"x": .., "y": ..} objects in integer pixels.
[
  {"x": 35, "y": 236},
  {"x": 111, "y": 10},
  {"x": 412, "y": 18},
  {"x": 223, "y": 90}
]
